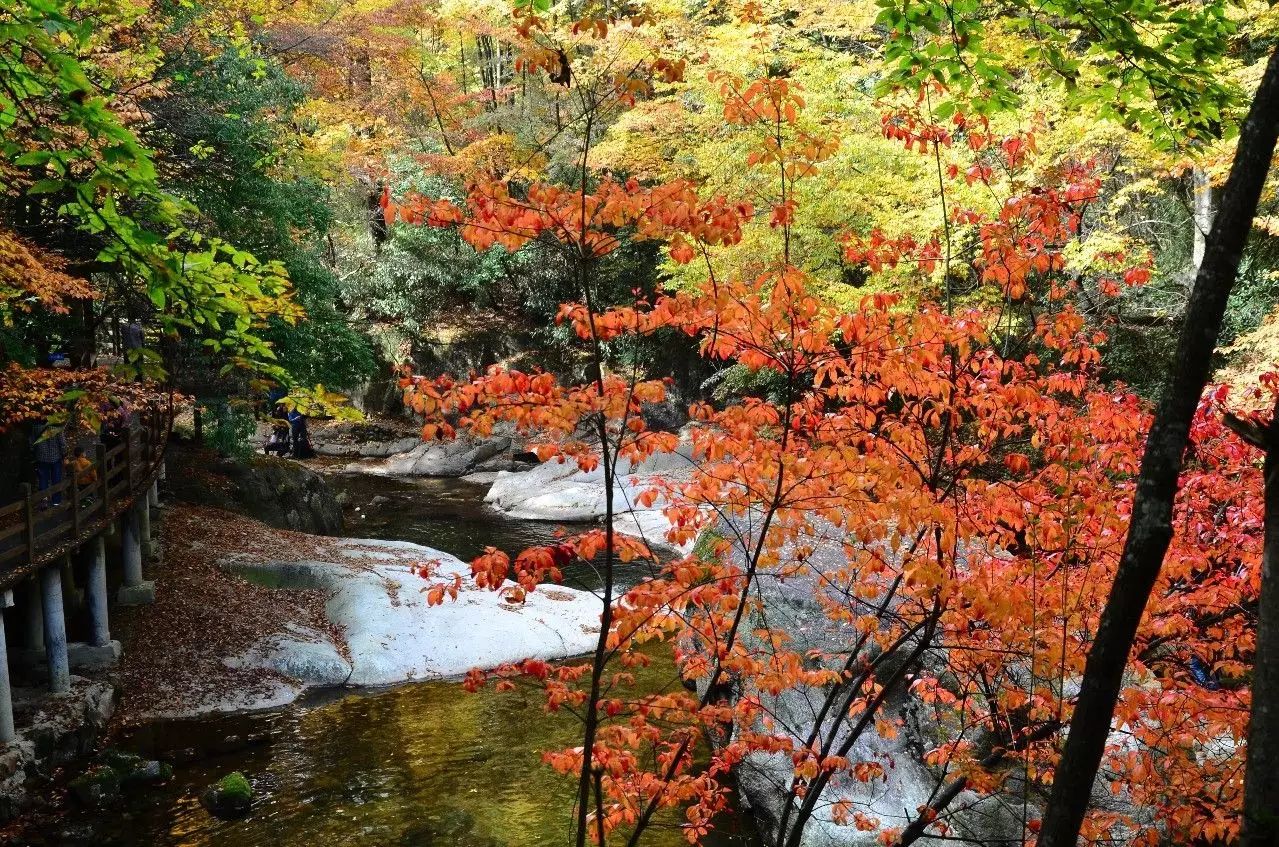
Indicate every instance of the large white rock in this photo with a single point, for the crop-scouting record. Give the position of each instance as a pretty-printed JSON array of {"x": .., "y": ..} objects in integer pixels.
[
  {"x": 461, "y": 456},
  {"x": 303, "y": 654},
  {"x": 906, "y": 783},
  {"x": 392, "y": 635},
  {"x": 560, "y": 491}
]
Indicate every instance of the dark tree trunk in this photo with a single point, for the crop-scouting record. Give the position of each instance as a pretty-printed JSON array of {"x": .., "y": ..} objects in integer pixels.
[
  {"x": 1261, "y": 775},
  {"x": 83, "y": 343},
  {"x": 377, "y": 218},
  {"x": 1150, "y": 529}
]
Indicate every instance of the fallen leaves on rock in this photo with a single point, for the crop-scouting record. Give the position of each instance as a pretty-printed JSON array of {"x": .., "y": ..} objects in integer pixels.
[{"x": 203, "y": 614}]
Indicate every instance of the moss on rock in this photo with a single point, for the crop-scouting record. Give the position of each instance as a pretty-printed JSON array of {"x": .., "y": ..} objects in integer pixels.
[{"x": 231, "y": 796}]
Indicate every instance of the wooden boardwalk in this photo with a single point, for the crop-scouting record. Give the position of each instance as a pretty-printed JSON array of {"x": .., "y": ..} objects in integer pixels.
[{"x": 46, "y": 525}]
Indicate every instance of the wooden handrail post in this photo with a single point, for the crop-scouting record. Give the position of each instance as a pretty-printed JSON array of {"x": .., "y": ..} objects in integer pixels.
[
  {"x": 128, "y": 455},
  {"x": 102, "y": 475},
  {"x": 75, "y": 501},
  {"x": 31, "y": 522}
]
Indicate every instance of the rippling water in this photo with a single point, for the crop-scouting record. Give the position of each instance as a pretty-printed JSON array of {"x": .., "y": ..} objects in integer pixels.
[
  {"x": 449, "y": 515},
  {"x": 421, "y": 765}
]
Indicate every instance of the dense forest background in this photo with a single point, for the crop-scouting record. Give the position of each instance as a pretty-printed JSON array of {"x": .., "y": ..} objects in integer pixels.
[
  {"x": 275, "y": 129},
  {"x": 917, "y": 271}
]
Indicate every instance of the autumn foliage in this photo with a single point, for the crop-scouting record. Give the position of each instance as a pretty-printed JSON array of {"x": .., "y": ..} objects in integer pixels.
[
  {"x": 958, "y": 455},
  {"x": 939, "y": 472}
]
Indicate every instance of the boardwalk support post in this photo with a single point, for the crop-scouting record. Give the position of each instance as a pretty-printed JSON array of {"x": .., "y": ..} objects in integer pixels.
[
  {"x": 101, "y": 652},
  {"x": 97, "y": 588},
  {"x": 7, "y": 731},
  {"x": 55, "y": 631},
  {"x": 35, "y": 617},
  {"x": 143, "y": 507},
  {"x": 72, "y": 596},
  {"x": 135, "y": 591}
]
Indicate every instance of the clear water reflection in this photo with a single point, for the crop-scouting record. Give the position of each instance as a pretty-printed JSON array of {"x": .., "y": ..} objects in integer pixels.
[{"x": 422, "y": 765}]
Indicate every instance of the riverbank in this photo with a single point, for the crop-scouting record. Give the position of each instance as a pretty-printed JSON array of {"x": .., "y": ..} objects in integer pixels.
[
  {"x": 248, "y": 616},
  {"x": 175, "y": 649},
  {"x": 361, "y": 765}
]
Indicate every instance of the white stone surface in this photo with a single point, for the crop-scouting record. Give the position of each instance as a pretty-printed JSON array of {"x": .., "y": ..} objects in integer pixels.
[
  {"x": 560, "y": 491},
  {"x": 458, "y": 457},
  {"x": 392, "y": 635}
]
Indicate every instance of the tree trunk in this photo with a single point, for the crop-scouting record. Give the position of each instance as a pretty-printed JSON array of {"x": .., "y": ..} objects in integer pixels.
[
  {"x": 1261, "y": 775},
  {"x": 484, "y": 45},
  {"x": 1150, "y": 530},
  {"x": 360, "y": 79},
  {"x": 82, "y": 344}
]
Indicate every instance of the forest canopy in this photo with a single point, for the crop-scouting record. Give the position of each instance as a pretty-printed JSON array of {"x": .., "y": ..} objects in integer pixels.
[{"x": 963, "y": 312}]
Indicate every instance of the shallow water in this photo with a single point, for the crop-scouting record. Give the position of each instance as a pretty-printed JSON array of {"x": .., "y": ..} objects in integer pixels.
[
  {"x": 416, "y": 766},
  {"x": 420, "y": 765},
  {"x": 450, "y": 515}
]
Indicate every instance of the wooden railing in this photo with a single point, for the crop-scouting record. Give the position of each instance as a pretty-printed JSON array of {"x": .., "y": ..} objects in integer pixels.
[{"x": 45, "y": 525}]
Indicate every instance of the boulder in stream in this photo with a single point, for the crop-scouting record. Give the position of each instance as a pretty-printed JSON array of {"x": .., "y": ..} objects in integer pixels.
[
  {"x": 391, "y": 633},
  {"x": 229, "y": 797},
  {"x": 278, "y": 492},
  {"x": 560, "y": 491}
]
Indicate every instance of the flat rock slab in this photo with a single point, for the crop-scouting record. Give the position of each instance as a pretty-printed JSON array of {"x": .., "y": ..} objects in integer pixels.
[
  {"x": 378, "y": 600},
  {"x": 92, "y": 657},
  {"x": 142, "y": 594}
]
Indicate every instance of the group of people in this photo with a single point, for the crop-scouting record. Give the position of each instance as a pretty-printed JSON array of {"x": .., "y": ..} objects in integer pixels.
[
  {"x": 289, "y": 436},
  {"x": 49, "y": 449}
]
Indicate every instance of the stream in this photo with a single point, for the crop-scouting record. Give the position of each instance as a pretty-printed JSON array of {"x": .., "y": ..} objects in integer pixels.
[{"x": 418, "y": 765}]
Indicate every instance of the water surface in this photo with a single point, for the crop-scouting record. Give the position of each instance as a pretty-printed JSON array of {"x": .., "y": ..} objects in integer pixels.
[
  {"x": 420, "y": 765},
  {"x": 450, "y": 515}
]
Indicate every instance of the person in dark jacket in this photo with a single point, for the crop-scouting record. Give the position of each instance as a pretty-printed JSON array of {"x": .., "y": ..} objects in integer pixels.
[
  {"x": 278, "y": 443},
  {"x": 50, "y": 453},
  {"x": 301, "y": 439}
]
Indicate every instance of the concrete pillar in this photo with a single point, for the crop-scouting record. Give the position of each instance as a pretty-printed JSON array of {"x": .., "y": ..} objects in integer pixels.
[
  {"x": 7, "y": 731},
  {"x": 135, "y": 591},
  {"x": 131, "y": 541},
  {"x": 143, "y": 508},
  {"x": 153, "y": 495},
  {"x": 97, "y": 589},
  {"x": 100, "y": 651},
  {"x": 55, "y": 631},
  {"x": 34, "y": 617}
]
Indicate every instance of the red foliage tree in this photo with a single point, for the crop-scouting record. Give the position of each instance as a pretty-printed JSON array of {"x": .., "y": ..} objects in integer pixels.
[{"x": 964, "y": 465}]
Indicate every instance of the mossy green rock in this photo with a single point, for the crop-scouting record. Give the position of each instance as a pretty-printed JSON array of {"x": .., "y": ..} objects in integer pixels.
[
  {"x": 133, "y": 769},
  {"x": 96, "y": 786},
  {"x": 229, "y": 797}
]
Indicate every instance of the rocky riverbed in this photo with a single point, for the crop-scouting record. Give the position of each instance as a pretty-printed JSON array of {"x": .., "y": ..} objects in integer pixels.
[{"x": 248, "y": 616}]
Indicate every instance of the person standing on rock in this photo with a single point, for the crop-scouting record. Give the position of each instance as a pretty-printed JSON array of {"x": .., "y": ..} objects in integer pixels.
[{"x": 301, "y": 440}]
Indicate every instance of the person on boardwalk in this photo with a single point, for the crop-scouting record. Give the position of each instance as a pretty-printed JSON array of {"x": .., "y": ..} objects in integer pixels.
[
  {"x": 82, "y": 466},
  {"x": 132, "y": 336},
  {"x": 50, "y": 452},
  {"x": 86, "y": 476}
]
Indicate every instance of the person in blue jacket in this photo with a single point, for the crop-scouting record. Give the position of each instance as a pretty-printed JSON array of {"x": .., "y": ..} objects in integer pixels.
[{"x": 301, "y": 440}]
